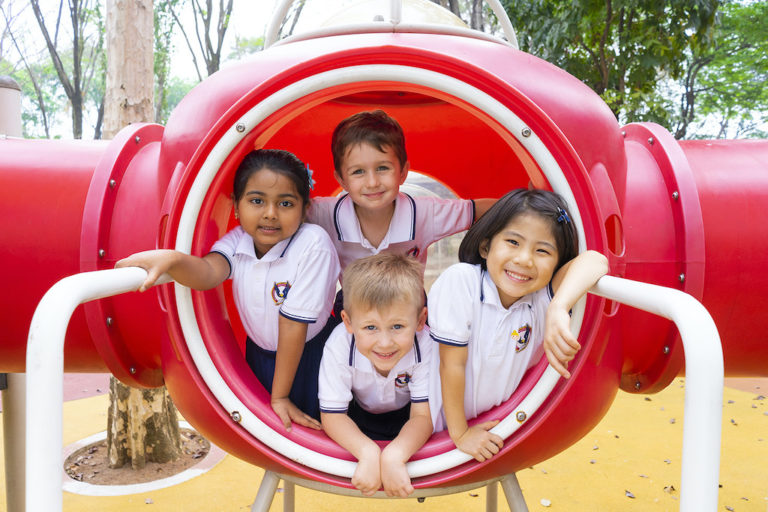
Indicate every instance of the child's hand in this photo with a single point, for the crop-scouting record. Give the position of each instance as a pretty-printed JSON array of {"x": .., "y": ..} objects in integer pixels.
[
  {"x": 367, "y": 477},
  {"x": 156, "y": 263},
  {"x": 394, "y": 476},
  {"x": 288, "y": 412},
  {"x": 478, "y": 442},
  {"x": 560, "y": 345}
]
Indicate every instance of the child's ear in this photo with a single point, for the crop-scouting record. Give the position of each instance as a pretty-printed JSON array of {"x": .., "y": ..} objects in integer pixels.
[
  {"x": 483, "y": 249},
  {"x": 347, "y": 321},
  {"x": 404, "y": 171},
  {"x": 422, "y": 318},
  {"x": 340, "y": 180}
]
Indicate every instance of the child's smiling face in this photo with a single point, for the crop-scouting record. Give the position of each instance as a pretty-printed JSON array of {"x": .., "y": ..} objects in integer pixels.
[
  {"x": 371, "y": 177},
  {"x": 270, "y": 209},
  {"x": 385, "y": 335},
  {"x": 521, "y": 258}
]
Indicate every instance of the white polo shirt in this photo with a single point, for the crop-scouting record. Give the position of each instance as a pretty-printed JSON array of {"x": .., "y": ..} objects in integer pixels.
[
  {"x": 296, "y": 279},
  {"x": 465, "y": 311},
  {"x": 346, "y": 373},
  {"x": 416, "y": 224}
]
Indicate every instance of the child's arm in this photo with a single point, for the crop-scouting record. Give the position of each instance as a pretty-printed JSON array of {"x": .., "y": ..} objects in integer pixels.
[
  {"x": 482, "y": 206},
  {"x": 191, "y": 271},
  {"x": 475, "y": 440},
  {"x": 412, "y": 436},
  {"x": 291, "y": 336},
  {"x": 342, "y": 429},
  {"x": 570, "y": 283}
]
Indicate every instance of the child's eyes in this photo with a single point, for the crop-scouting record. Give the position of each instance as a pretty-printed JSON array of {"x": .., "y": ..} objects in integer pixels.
[
  {"x": 544, "y": 251},
  {"x": 286, "y": 204},
  {"x": 357, "y": 172},
  {"x": 383, "y": 168},
  {"x": 256, "y": 200},
  {"x": 512, "y": 242},
  {"x": 397, "y": 327},
  {"x": 370, "y": 327}
]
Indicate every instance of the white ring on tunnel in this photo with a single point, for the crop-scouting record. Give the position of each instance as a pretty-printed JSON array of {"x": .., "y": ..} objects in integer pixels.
[{"x": 231, "y": 138}]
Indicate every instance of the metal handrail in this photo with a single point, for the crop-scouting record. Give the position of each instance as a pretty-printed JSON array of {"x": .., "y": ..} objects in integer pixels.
[
  {"x": 45, "y": 372},
  {"x": 395, "y": 20}
]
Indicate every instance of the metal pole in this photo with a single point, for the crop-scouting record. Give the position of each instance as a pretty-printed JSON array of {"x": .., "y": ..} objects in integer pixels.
[
  {"x": 266, "y": 492},
  {"x": 514, "y": 494}
]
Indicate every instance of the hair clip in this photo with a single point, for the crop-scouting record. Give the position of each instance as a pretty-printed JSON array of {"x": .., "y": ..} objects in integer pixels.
[
  {"x": 562, "y": 216},
  {"x": 309, "y": 177}
]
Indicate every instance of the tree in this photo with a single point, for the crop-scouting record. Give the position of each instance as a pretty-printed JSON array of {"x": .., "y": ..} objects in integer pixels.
[
  {"x": 203, "y": 16},
  {"x": 724, "y": 93},
  {"x": 142, "y": 424},
  {"x": 86, "y": 47},
  {"x": 621, "y": 48}
]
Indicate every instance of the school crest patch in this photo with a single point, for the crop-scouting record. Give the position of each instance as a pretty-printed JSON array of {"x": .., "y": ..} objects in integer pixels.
[
  {"x": 402, "y": 379},
  {"x": 520, "y": 336},
  {"x": 280, "y": 292}
]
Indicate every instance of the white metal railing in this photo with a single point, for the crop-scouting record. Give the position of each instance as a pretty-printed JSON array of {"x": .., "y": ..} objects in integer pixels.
[
  {"x": 45, "y": 368},
  {"x": 395, "y": 21}
]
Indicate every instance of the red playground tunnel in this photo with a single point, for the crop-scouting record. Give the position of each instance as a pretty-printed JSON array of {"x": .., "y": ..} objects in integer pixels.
[{"x": 482, "y": 118}]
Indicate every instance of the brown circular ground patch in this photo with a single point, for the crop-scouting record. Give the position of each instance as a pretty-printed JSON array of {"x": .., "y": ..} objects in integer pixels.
[{"x": 91, "y": 465}]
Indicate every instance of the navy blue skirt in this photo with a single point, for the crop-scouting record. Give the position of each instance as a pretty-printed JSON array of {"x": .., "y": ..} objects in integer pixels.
[{"x": 304, "y": 390}]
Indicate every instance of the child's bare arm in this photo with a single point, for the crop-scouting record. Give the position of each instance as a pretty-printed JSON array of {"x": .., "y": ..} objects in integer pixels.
[
  {"x": 482, "y": 206},
  {"x": 477, "y": 441},
  {"x": 413, "y": 435},
  {"x": 342, "y": 429},
  {"x": 291, "y": 336},
  {"x": 191, "y": 271},
  {"x": 570, "y": 283}
]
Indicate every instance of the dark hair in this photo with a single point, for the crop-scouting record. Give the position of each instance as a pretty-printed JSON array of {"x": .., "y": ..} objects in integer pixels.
[
  {"x": 546, "y": 204},
  {"x": 276, "y": 160},
  {"x": 375, "y": 127}
]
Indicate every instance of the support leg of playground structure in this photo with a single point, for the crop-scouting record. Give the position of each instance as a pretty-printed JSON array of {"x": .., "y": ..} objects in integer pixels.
[
  {"x": 268, "y": 488},
  {"x": 13, "y": 440}
]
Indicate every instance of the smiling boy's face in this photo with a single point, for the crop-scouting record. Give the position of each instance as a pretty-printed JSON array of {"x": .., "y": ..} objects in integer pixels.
[
  {"x": 372, "y": 178},
  {"x": 385, "y": 335}
]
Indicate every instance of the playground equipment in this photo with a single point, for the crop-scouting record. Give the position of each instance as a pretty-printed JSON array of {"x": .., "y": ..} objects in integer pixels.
[{"x": 480, "y": 117}]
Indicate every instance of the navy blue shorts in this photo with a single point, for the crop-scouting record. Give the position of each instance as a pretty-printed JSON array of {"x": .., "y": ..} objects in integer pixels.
[
  {"x": 383, "y": 426},
  {"x": 304, "y": 390}
]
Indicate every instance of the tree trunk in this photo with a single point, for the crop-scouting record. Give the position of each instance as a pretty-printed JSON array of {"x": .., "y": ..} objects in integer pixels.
[{"x": 142, "y": 423}]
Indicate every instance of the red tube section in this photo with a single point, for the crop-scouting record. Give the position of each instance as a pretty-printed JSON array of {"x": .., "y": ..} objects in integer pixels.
[{"x": 479, "y": 117}]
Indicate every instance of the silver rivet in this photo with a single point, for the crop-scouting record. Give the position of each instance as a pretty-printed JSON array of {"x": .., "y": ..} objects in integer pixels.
[
  {"x": 132, "y": 370},
  {"x": 526, "y": 132},
  {"x": 520, "y": 416},
  {"x": 112, "y": 183},
  {"x": 109, "y": 321},
  {"x": 623, "y": 133},
  {"x": 651, "y": 141},
  {"x": 666, "y": 350},
  {"x": 137, "y": 139},
  {"x": 675, "y": 195},
  {"x": 102, "y": 252},
  {"x": 681, "y": 277},
  {"x": 236, "y": 416},
  {"x": 240, "y": 127},
  {"x": 638, "y": 385}
]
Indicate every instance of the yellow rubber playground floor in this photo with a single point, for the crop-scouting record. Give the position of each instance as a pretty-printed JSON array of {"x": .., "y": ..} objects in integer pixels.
[{"x": 629, "y": 462}]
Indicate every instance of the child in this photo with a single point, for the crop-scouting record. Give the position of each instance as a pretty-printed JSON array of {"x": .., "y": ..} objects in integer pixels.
[
  {"x": 373, "y": 377},
  {"x": 519, "y": 277},
  {"x": 370, "y": 164},
  {"x": 271, "y": 253}
]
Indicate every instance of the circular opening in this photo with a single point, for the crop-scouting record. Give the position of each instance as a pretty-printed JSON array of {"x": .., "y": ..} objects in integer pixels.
[{"x": 458, "y": 135}]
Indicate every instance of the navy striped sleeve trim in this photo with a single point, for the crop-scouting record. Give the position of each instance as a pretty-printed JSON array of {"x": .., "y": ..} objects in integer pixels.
[
  {"x": 304, "y": 320},
  {"x": 419, "y": 399},
  {"x": 336, "y": 217},
  {"x": 413, "y": 216},
  {"x": 229, "y": 262},
  {"x": 334, "y": 411},
  {"x": 446, "y": 341}
]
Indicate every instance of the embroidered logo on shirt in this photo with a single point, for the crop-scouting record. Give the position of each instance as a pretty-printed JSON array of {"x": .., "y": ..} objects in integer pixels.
[
  {"x": 280, "y": 292},
  {"x": 414, "y": 252},
  {"x": 402, "y": 379},
  {"x": 520, "y": 336}
]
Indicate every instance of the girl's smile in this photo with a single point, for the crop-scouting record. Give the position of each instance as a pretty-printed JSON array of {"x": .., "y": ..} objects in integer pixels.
[{"x": 521, "y": 258}]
